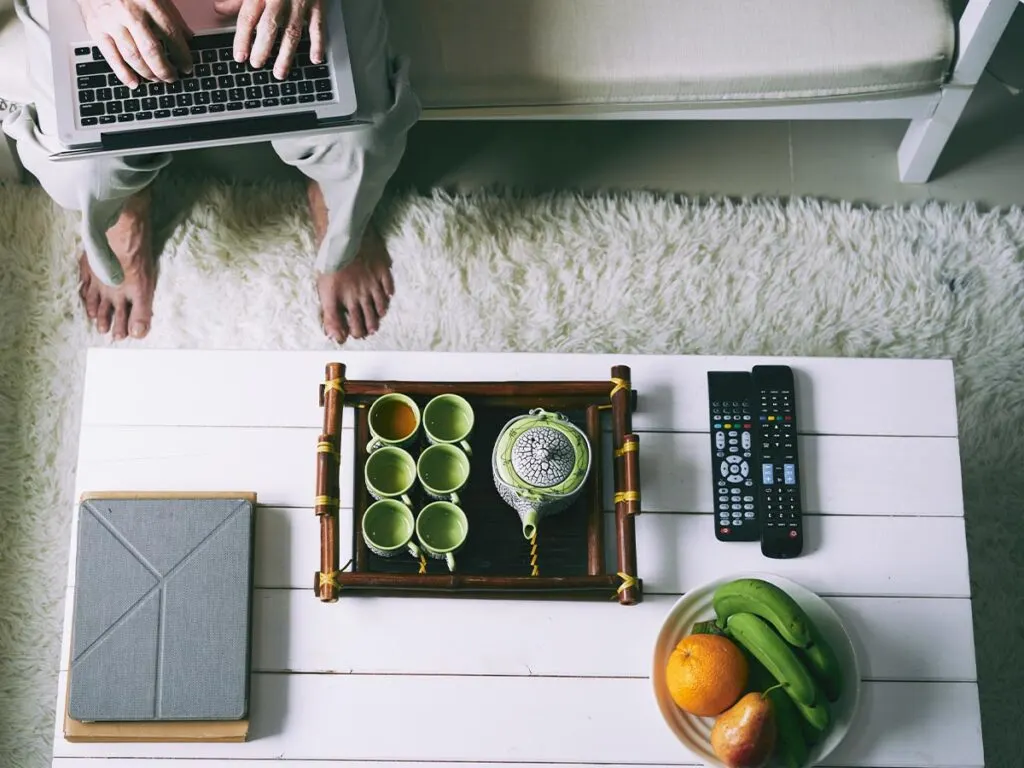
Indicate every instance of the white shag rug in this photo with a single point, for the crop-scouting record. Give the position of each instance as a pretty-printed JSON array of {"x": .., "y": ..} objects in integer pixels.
[{"x": 631, "y": 273}]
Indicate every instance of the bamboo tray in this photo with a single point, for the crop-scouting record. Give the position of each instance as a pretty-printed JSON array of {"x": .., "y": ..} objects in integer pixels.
[{"x": 566, "y": 559}]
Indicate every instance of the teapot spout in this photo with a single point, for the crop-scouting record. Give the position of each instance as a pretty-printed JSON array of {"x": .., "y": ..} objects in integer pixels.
[{"x": 530, "y": 523}]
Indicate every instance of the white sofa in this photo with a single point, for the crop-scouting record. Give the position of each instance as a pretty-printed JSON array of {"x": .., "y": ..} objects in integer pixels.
[{"x": 683, "y": 60}]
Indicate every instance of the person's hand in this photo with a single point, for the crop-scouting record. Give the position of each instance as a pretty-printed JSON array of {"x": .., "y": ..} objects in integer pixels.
[
  {"x": 132, "y": 35},
  {"x": 261, "y": 24}
]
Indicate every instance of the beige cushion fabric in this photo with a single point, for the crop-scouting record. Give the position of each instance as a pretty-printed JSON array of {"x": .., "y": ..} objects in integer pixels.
[{"x": 522, "y": 52}]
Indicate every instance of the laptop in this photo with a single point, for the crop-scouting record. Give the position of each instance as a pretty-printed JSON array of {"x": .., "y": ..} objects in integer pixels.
[{"x": 220, "y": 102}]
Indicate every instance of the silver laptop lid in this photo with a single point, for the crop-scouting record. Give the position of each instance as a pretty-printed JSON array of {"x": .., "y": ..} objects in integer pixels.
[{"x": 68, "y": 32}]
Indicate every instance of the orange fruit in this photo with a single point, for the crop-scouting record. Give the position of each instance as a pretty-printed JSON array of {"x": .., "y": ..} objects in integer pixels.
[{"x": 706, "y": 674}]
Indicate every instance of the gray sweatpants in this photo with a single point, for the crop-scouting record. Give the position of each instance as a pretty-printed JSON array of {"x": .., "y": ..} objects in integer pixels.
[{"x": 352, "y": 167}]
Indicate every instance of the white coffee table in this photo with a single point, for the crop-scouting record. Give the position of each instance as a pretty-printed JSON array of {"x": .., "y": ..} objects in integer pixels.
[{"x": 432, "y": 680}]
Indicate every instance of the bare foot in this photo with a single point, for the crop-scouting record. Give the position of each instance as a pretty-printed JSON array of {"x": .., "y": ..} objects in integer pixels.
[
  {"x": 355, "y": 298},
  {"x": 128, "y": 308}
]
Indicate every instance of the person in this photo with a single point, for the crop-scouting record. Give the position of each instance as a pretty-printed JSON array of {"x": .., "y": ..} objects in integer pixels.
[{"x": 347, "y": 171}]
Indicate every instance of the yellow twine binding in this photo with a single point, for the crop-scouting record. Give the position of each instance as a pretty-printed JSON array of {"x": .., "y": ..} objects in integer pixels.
[
  {"x": 334, "y": 384},
  {"x": 628, "y": 582},
  {"x": 533, "y": 555},
  {"x": 620, "y": 384},
  {"x": 423, "y": 563},
  {"x": 331, "y": 579},
  {"x": 627, "y": 496},
  {"x": 326, "y": 447},
  {"x": 631, "y": 447},
  {"x": 326, "y": 501}
]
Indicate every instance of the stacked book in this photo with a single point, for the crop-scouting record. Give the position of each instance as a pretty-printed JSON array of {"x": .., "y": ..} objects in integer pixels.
[{"x": 160, "y": 645}]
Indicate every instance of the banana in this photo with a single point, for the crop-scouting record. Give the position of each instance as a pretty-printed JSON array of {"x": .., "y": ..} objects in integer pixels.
[
  {"x": 818, "y": 717},
  {"x": 790, "y": 747},
  {"x": 764, "y": 599},
  {"x": 821, "y": 660},
  {"x": 771, "y": 650}
]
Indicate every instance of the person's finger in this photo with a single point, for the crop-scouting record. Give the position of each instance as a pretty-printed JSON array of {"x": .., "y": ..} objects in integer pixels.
[
  {"x": 177, "y": 33},
  {"x": 151, "y": 50},
  {"x": 245, "y": 27},
  {"x": 117, "y": 63},
  {"x": 290, "y": 40},
  {"x": 130, "y": 53},
  {"x": 316, "y": 32},
  {"x": 266, "y": 32}
]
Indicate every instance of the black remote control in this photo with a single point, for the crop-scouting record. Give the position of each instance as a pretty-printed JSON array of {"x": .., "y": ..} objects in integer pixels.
[
  {"x": 779, "y": 507},
  {"x": 730, "y": 399}
]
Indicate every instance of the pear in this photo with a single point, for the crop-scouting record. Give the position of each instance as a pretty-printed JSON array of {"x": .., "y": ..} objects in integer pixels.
[{"x": 744, "y": 735}]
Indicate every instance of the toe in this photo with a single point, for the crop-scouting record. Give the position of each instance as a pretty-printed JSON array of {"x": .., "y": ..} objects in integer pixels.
[
  {"x": 103, "y": 313},
  {"x": 141, "y": 316},
  {"x": 387, "y": 281},
  {"x": 380, "y": 301},
  {"x": 370, "y": 317},
  {"x": 355, "y": 321},
  {"x": 120, "y": 327},
  {"x": 334, "y": 326}
]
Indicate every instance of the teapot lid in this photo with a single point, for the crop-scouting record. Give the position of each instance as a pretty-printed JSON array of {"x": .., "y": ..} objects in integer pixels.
[{"x": 543, "y": 451}]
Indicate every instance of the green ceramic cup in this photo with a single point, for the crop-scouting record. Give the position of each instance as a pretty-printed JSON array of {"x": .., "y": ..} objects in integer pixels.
[
  {"x": 441, "y": 528},
  {"x": 443, "y": 471},
  {"x": 449, "y": 419},
  {"x": 390, "y": 474},
  {"x": 388, "y": 528},
  {"x": 394, "y": 420}
]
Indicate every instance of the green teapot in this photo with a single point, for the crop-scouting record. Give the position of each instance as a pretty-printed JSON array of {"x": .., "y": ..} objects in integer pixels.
[{"x": 541, "y": 462}]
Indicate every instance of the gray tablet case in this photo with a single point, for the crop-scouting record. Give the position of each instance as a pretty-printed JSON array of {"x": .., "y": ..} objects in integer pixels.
[{"x": 162, "y": 610}]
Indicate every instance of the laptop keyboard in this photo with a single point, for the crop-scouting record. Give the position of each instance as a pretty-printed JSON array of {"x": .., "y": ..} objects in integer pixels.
[{"x": 218, "y": 84}]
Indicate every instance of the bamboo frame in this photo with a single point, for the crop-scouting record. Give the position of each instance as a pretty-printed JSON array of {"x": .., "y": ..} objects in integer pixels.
[{"x": 587, "y": 396}]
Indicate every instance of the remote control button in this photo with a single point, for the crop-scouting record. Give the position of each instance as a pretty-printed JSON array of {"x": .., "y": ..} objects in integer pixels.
[
  {"x": 748, "y": 515},
  {"x": 746, "y": 454},
  {"x": 733, "y": 459},
  {"x": 737, "y": 523},
  {"x": 745, "y": 441},
  {"x": 719, "y": 440},
  {"x": 748, "y": 482},
  {"x": 721, "y": 482},
  {"x": 733, "y": 433},
  {"x": 748, "y": 498},
  {"x": 719, "y": 454},
  {"x": 737, "y": 507},
  {"x": 734, "y": 478},
  {"x": 735, "y": 491},
  {"x": 744, "y": 469},
  {"x": 793, "y": 534},
  {"x": 723, "y": 530},
  {"x": 748, "y": 506},
  {"x": 725, "y": 469}
]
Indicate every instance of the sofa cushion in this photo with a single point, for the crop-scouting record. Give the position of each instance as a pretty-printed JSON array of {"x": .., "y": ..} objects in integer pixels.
[{"x": 537, "y": 52}]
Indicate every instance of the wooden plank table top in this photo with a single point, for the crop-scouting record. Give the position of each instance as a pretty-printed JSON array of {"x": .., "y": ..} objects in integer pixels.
[{"x": 419, "y": 681}]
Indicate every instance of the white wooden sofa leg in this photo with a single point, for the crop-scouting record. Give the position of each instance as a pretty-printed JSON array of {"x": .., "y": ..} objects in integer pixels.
[
  {"x": 981, "y": 26},
  {"x": 927, "y": 136}
]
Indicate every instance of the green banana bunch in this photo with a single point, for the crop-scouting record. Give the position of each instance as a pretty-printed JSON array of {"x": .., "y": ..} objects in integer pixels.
[
  {"x": 778, "y": 658},
  {"x": 790, "y": 747},
  {"x": 764, "y": 599},
  {"x": 769, "y": 602},
  {"x": 824, "y": 665}
]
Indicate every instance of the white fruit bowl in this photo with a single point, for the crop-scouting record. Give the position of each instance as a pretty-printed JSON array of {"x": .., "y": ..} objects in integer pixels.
[{"x": 695, "y": 732}]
